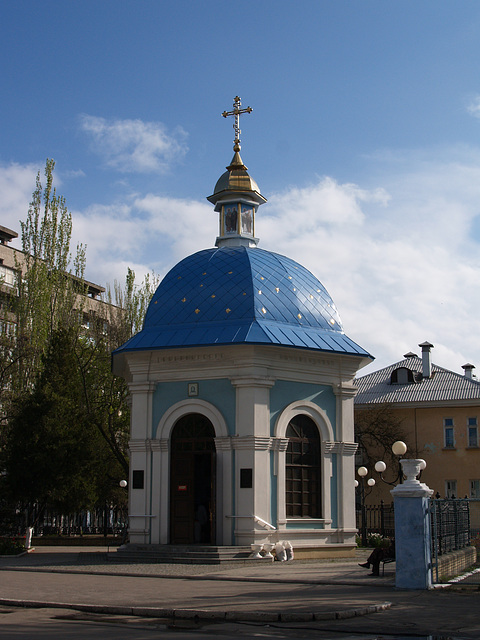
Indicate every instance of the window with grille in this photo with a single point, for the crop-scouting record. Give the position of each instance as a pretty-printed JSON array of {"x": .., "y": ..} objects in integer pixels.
[
  {"x": 448, "y": 433},
  {"x": 302, "y": 472},
  {"x": 472, "y": 432}
]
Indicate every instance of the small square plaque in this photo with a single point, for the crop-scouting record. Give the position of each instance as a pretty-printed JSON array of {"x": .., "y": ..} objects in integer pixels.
[{"x": 193, "y": 388}]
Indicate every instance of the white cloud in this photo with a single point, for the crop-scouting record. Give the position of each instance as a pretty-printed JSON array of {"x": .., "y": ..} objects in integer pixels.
[
  {"x": 17, "y": 183},
  {"x": 147, "y": 233},
  {"x": 399, "y": 257},
  {"x": 474, "y": 107},
  {"x": 133, "y": 145},
  {"x": 402, "y": 264}
]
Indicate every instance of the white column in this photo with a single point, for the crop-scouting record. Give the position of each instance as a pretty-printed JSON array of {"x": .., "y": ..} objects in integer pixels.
[
  {"x": 224, "y": 498},
  {"x": 345, "y": 435},
  {"x": 155, "y": 472},
  {"x": 279, "y": 446},
  {"x": 140, "y": 460},
  {"x": 252, "y": 451},
  {"x": 164, "y": 492},
  {"x": 139, "y": 499}
]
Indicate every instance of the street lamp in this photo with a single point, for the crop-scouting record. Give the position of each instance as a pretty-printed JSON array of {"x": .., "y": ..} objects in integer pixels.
[
  {"x": 123, "y": 484},
  {"x": 362, "y": 472},
  {"x": 399, "y": 448}
]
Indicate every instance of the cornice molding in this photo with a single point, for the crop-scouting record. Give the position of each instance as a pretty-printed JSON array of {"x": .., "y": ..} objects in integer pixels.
[
  {"x": 344, "y": 448},
  {"x": 258, "y": 443}
]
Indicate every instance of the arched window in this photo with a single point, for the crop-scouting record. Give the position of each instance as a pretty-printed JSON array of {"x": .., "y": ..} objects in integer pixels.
[{"x": 302, "y": 472}]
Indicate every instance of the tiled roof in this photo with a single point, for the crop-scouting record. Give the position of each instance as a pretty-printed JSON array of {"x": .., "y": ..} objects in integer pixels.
[
  {"x": 233, "y": 295},
  {"x": 442, "y": 386}
]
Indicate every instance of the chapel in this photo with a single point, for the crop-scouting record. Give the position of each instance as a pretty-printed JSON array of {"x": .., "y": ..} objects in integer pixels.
[{"x": 242, "y": 390}]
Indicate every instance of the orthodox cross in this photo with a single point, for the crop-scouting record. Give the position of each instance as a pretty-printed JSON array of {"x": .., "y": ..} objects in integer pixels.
[{"x": 236, "y": 124}]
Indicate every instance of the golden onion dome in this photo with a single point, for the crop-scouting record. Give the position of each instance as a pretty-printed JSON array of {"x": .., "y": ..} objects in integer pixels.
[{"x": 236, "y": 178}]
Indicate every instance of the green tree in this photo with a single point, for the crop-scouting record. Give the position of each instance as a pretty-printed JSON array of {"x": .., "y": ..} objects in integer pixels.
[
  {"x": 130, "y": 302},
  {"x": 56, "y": 410},
  {"x": 50, "y": 283},
  {"x": 106, "y": 395},
  {"x": 52, "y": 451}
]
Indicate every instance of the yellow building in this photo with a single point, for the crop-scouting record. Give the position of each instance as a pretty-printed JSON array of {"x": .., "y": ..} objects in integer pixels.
[{"x": 440, "y": 412}]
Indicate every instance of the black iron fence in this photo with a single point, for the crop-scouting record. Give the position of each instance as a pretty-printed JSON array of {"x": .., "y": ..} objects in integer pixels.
[
  {"x": 455, "y": 523},
  {"x": 104, "y": 520},
  {"x": 377, "y": 519},
  {"x": 450, "y": 524}
]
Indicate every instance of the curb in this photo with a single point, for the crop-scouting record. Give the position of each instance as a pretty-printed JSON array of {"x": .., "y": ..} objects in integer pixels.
[
  {"x": 203, "y": 614},
  {"x": 353, "y": 582}
]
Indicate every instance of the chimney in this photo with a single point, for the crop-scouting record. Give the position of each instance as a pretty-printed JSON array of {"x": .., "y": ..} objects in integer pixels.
[
  {"x": 426, "y": 359},
  {"x": 468, "y": 368}
]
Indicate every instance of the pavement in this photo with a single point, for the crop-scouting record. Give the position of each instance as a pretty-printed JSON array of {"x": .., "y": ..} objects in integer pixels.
[{"x": 337, "y": 594}]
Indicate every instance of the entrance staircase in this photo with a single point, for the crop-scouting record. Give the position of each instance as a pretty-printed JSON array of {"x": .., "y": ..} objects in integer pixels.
[{"x": 185, "y": 554}]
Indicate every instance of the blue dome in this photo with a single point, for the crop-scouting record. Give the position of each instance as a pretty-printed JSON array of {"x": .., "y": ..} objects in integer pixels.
[{"x": 241, "y": 295}]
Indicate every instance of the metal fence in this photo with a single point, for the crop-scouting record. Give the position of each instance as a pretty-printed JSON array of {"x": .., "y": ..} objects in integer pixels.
[
  {"x": 105, "y": 520},
  {"x": 450, "y": 523},
  {"x": 378, "y": 518},
  {"x": 455, "y": 524}
]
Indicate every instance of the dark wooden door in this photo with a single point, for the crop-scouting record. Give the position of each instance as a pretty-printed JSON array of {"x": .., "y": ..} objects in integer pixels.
[
  {"x": 182, "y": 497},
  {"x": 192, "y": 481}
]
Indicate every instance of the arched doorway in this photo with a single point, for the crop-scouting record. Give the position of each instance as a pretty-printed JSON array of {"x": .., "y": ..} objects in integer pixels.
[
  {"x": 192, "y": 481},
  {"x": 303, "y": 469}
]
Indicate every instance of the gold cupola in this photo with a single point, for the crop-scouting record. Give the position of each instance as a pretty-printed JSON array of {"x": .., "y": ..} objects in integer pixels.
[{"x": 236, "y": 195}]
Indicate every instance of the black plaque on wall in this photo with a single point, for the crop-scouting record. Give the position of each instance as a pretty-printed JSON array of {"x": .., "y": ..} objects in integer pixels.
[
  {"x": 137, "y": 479},
  {"x": 246, "y": 479}
]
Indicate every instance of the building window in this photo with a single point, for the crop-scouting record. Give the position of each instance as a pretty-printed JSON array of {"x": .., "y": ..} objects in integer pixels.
[
  {"x": 472, "y": 432},
  {"x": 474, "y": 488},
  {"x": 302, "y": 472},
  {"x": 7, "y": 276},
  {"x": 450, "y": 488},
  {"x": 448, "y": 432}
]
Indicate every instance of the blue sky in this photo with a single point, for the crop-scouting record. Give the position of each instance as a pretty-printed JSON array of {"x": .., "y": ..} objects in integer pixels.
[{"x": 365, "y": 139}]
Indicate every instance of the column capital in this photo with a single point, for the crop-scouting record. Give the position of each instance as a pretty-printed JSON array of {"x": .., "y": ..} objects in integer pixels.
[
  {"x": 141, "y": 387},
  {"x": 253, "y": 381},
  {"x": 344, "y": 448},
  {"x": 258, "y": 443},
  {"x": 138, "y": 445},
  {"x": 154, "y": 445},
  {"x": 345, "y": 390},
  {"x": 279, "y": 444},
  {"x": 223, "y": 443}
]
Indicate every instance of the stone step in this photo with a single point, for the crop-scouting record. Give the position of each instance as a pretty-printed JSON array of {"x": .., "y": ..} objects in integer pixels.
[{"x": 185, "y": 554}]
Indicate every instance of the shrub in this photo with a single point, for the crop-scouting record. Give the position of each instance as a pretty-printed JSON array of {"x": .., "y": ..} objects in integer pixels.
[
  {"x": 11, "y": 546},
  {"x": 376, "y": 540}
]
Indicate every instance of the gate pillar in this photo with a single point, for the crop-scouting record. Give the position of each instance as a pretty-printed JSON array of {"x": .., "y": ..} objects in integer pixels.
[{"x": 412, "y": 530}]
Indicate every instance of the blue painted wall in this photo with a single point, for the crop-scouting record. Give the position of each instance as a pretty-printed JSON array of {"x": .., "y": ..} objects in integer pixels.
[
  {"x": 281, "y": 395},
  {"x": 220, "y": 393},
  {"x": 284, "y": 393}
]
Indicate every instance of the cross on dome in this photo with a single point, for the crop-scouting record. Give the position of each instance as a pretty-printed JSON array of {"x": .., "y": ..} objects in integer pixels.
[
  {"x": 236, "y": 196},
  {"x": 236, "y": 112}
]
